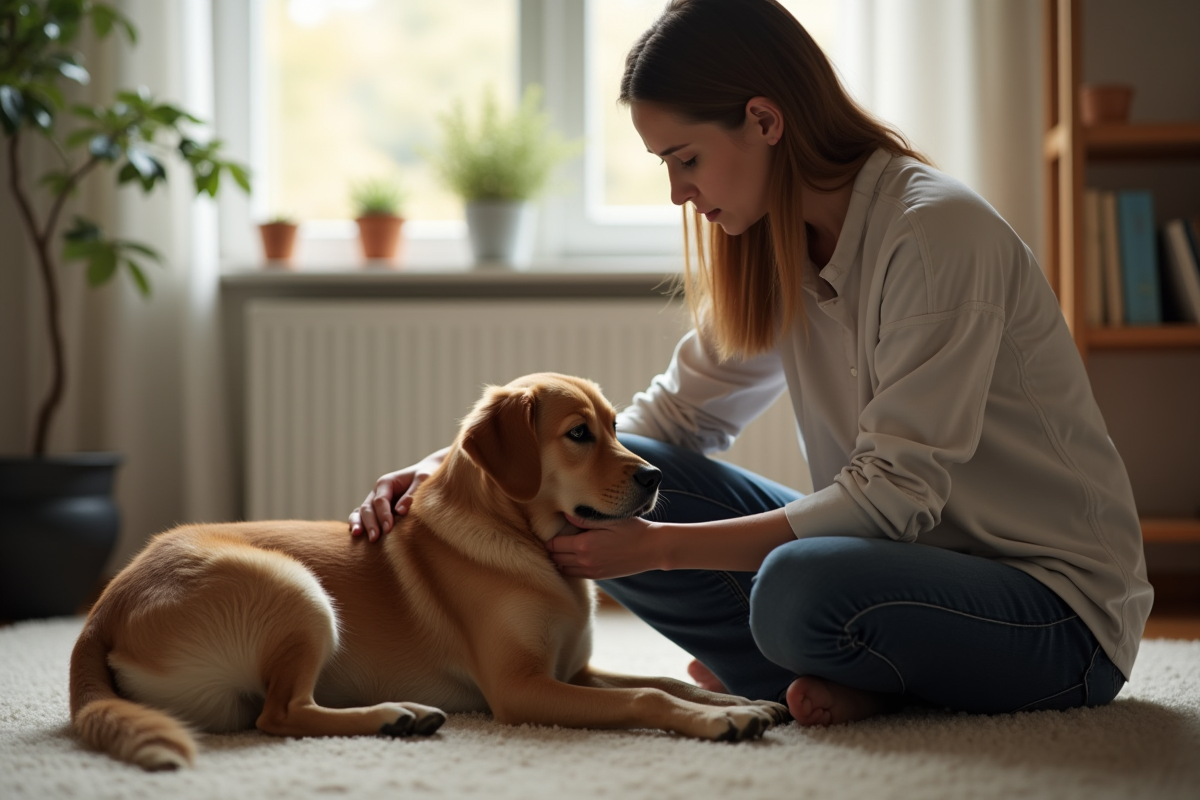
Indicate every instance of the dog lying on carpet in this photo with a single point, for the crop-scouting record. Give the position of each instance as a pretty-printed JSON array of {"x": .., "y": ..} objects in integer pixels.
[{"x": 298, "y": 629}]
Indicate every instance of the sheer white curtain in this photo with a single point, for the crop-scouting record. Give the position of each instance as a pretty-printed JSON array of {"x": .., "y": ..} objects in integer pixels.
[
  {"x": 167, "y": 411},
  {"x": 144, "y": 375},
  {"x": 961, "y": 79}
]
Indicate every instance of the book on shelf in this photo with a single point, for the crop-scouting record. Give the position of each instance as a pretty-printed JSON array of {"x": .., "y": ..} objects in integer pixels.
[
  {"x": 1110, "y": 260},
  {"x": 1093, "y": 259},
  {"x": 1181, "y": 269},
  {"x": 1139, "y": 258},
  {"x": 1192, "y": 227}
]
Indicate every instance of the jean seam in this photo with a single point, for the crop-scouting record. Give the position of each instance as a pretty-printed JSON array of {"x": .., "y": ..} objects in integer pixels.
[
  {"x": 855, "y": 642},
  {"x": 1087, "y": 695},
  {"x": 1052, "y": 696},
  {"x": 886, "y": 660},
  {"x": 736, "y": 588},
  {"x": 961, "y": 614}
]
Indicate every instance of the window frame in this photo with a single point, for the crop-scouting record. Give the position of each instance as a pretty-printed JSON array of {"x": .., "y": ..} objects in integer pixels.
[{"x": 553, "y": 50}]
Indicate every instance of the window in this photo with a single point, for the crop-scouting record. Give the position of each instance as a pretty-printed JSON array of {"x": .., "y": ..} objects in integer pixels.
[
  {"x": 354, "y": 88},
  {"x": 322, "y": 93}
]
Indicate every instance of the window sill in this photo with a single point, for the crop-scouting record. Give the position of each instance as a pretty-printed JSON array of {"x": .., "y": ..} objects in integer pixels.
[{"x": 609, "y": 277}]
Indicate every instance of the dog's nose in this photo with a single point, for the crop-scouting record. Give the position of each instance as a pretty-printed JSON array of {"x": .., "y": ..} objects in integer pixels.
[{"x": 648, "y": 477}]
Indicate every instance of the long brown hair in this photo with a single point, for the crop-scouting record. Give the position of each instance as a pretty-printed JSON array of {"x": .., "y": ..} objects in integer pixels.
[{"x": 704, "y": 60}]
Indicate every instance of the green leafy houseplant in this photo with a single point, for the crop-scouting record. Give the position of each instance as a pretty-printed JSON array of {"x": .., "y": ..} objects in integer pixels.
[
  {"x": 377, "y": 197},
  {"x": 504, "y": 157},
  {"x": 133, "y": 136}
]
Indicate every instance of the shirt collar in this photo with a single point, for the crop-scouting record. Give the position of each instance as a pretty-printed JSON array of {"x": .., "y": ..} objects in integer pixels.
[{"x": 850, "y": 239}]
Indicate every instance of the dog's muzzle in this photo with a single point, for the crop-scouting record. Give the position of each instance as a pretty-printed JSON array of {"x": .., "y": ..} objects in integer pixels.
[{"x": 646, "y": 481}]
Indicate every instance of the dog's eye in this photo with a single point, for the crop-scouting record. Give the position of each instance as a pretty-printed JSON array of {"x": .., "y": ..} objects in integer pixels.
[{"x": 580, "y": 433}]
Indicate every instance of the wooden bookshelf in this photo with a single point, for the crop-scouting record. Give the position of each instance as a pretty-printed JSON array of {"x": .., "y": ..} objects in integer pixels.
[
  {"x": 1171, "y": 531},
  {"x": 1160, "y": 141},
  {"x": 1068, "y": 147},
  {"x": 1142, "y": 337}
]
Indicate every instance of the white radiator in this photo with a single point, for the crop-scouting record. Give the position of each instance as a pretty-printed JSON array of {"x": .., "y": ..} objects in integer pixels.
[{"x": 339, "y": 392}]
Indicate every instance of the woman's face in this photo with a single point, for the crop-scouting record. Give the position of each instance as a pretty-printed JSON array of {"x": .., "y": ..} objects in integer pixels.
[{"x": 723, "y": 173}]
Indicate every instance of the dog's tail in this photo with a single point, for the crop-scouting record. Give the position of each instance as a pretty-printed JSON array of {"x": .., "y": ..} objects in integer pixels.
[{"x": 127, "y": 731}]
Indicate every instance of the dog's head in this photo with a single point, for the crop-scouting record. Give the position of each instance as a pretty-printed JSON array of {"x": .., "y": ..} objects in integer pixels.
[{"x": 548, "y": 442}]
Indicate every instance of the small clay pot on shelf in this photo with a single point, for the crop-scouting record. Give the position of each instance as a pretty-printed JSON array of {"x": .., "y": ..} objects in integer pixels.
[
  {"x": 279, "y": 242},
  {"x": 1105, "y": 104}
]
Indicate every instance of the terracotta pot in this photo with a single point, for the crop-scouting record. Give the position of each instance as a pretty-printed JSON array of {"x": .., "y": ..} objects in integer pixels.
[
  {"x": 380, "y": 236},
  {"x": 1106, "y": 104},
  {"x": 279, "y": 241}
]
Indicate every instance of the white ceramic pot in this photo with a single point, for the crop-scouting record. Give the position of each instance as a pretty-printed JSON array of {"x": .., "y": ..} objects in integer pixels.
[{"x": 501, "y": 232}]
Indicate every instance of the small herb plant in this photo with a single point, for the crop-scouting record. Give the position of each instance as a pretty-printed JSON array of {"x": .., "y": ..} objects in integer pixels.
[
  {"x": 503, "y": 157},
  {"x": 377, "y": 197}
]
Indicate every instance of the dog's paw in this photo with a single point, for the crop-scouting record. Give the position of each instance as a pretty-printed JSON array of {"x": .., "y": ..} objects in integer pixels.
[
  {"x": 778, "y": 711},
  {"x": 738, "y": 723},
  {"x": 413, "y": 719}
]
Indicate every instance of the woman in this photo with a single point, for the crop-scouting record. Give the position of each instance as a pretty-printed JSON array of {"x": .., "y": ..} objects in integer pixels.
[{"x": 971, "y": 541}]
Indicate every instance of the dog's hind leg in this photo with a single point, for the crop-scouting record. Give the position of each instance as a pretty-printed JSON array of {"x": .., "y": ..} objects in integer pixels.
[
  {"x": 290, "y": 710},
  {"x": 290, "y": 666}
]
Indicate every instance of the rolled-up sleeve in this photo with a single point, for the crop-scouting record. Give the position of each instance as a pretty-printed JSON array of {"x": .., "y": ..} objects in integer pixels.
[
  {"x": 702, "y": 403},
  {"x": 932, "y": 373}
]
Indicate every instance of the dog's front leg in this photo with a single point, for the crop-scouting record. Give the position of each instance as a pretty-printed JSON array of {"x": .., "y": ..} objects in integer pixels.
[
  {"x": 590, "y": 676},
  {"x": 541, "y": 700}
]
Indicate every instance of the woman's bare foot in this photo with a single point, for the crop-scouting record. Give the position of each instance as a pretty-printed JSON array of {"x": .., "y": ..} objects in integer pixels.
[
  {"x": 704, "y": 677},
  {"x": 813, "y": 701}
]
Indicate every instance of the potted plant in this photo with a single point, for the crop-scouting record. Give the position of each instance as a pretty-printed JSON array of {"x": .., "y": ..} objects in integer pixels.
[
  {"x": 58, "y": 522},
  {"x": 278, "y": 239},
  {"x": 377, "y": 203},
  {"x": 497, "y": 167}
]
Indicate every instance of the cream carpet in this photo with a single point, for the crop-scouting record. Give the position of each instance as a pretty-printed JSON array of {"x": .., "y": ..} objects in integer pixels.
[{"x": 1145, "y": 745}]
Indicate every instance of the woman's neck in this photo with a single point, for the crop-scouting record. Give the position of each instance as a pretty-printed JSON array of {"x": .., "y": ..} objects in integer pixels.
[{"x": 824, "y": 216}]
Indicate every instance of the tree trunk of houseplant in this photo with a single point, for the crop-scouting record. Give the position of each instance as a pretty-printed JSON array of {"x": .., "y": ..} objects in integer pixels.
[
  {"x": 58, "y": 526},
  {"x": 497, "y": 229}
]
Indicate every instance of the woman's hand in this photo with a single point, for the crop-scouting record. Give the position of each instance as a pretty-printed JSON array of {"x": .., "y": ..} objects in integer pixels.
[
  {"x": 375, "y": 515},
  {"x": 607, "y": 549}
]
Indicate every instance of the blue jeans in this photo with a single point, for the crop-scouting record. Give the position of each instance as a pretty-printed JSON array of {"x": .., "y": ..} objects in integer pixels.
[{"x": 938, "y": 627}]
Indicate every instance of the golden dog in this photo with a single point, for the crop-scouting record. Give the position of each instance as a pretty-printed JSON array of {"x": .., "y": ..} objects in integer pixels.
[{"x": 301, "y": 630}]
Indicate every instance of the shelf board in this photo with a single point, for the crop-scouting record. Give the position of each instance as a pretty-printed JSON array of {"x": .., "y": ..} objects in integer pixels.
[
  {"x": 1171, "y": 530},
  {"x": 1138, "y": 141},
  {"x": 1143, "y": 141},
  {"x": 1143, "y": 337}
]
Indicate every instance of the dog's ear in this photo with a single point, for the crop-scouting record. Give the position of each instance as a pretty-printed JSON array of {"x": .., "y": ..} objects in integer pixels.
[{"x": 501, "y": 440}]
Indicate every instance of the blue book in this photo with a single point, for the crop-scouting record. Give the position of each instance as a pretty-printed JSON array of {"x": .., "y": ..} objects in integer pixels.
[{"x": 1139, "y": 262}]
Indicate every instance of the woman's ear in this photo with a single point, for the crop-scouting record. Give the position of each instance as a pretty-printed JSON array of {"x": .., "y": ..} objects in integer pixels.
[{"x": 764, "y": 119}]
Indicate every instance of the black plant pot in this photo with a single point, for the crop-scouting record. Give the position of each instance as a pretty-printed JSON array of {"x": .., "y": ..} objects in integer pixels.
[{"x": 58, "y": 526}]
